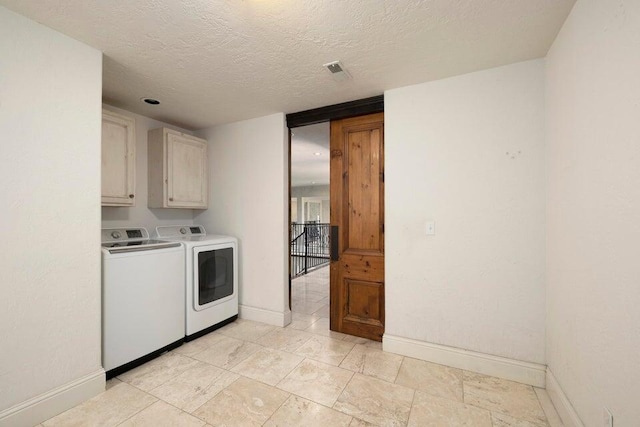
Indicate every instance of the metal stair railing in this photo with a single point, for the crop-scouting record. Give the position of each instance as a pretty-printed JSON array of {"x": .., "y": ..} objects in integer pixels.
[{"x": 309, "y": 247}]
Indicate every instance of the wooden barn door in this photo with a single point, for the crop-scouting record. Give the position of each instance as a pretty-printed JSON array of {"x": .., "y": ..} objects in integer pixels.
[{"x": 357, "y": 226}]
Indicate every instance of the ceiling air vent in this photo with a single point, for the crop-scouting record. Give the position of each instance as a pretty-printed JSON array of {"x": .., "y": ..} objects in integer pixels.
[{"x": 337, "y": 70}]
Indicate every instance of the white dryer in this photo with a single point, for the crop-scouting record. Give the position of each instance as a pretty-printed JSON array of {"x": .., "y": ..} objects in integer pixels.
[{"x": 211, "y": 277}]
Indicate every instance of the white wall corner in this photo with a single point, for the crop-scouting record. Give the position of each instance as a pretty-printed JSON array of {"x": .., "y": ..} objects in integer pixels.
[
  {"x": 269, "y": 317},
  {"x": 54, "y": 402},
  {"x": 561, "y": 402},
  {"x": 487, "y": 364}
]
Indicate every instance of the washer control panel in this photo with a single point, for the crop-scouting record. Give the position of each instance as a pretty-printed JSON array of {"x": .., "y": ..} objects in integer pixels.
[
  {"x": 123, "y": 234},
  {"x": 168, "y": 231}
]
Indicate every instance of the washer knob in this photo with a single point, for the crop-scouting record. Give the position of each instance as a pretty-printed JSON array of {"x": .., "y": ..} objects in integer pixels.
[
  {"x": 183, "y": 230},
  {"x": 116, "y": 234}
]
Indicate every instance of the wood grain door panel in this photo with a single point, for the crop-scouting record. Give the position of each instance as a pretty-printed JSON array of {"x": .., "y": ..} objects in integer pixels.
[
  {"x": 363, "y": 302},
  {"x": 357, "y": 208},
  {"x": 362, "y": 195}
]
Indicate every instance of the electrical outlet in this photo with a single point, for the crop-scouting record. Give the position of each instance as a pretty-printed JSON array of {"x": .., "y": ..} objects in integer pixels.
[{"x": 607, "y": 418}]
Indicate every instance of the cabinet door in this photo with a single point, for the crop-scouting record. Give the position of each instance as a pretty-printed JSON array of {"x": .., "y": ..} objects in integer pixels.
[
  {"x": 186, "y": 172},
  {"x": 118, "y": 160}
]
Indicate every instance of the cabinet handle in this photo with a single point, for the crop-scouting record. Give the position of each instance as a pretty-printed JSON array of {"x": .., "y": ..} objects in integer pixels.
[
  {"x": 131, "y": 196},
  {"x": 171, "y": 199}
]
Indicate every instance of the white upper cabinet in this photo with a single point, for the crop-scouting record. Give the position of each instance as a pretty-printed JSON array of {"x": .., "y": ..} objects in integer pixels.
[
  {"x": 118, "y": 159},
  {"x": 177, "y": 166}
]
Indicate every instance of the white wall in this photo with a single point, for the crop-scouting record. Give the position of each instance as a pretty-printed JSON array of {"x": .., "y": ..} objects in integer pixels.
[
  {"x": 467, "y": 152},
  {"x": 249, "y": 199},
  {"x": 50, "y": 113},
  {"x": 310, "y": 191},
  {"x": 320, "y": 192},
  {"x": 593, "y": 214},
  {"x": 140, "y": 215}
]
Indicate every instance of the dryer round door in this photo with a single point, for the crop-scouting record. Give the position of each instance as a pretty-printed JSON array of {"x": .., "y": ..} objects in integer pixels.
[{"x": 214, "y": 280}]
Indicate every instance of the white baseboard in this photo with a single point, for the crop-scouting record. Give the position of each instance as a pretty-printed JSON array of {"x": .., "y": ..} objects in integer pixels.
[
  {"x": 553, "y": 419},
  {"x": 54, "y": 402},
  {"x": 269, "y": 317},
  {"x": 287, "y": 317},
  {"x": 496, "y": 366},
  {"x": 562, "y": 404}
]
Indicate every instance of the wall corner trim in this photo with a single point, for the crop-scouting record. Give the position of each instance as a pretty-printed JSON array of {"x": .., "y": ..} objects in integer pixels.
[
  {"x": 496, "y": 366},
  {"x": 54, "y": 402},
  {"x": 561, "y": 402},
  {"x": 269, "y": 317}
]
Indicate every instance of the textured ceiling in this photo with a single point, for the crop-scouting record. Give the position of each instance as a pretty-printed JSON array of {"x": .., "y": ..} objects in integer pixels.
[
  {"x": 216, "y": 61},
  {"x": 308, "y": 168}
]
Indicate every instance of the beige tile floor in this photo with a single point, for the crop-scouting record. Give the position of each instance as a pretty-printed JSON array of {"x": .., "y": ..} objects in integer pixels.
[{"x": 251, "y": 374}]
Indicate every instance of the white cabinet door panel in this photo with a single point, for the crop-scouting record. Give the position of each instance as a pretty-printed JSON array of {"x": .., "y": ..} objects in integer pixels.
[
  {"x": 178, "y": 170},
  {"x": 186, "y": 169},
  {"x": 118, "y": 160}
]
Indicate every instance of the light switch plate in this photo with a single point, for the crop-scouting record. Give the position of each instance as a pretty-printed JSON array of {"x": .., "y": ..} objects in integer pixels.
[{"x": 431, "y": 228}]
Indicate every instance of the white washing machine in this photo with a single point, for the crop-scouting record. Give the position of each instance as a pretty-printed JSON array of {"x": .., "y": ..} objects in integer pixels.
[
  {"x": 211, "y": 277},
  {"x": 142, "y": 298}
]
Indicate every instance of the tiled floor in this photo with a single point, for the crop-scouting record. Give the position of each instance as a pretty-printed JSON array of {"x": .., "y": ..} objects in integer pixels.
[{"x": 251, "y": 374}]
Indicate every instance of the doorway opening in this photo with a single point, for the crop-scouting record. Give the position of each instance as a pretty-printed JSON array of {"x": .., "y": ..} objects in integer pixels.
[
  {"x": 309, "y": 224},
  {"x": 337, "y": 228}
]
